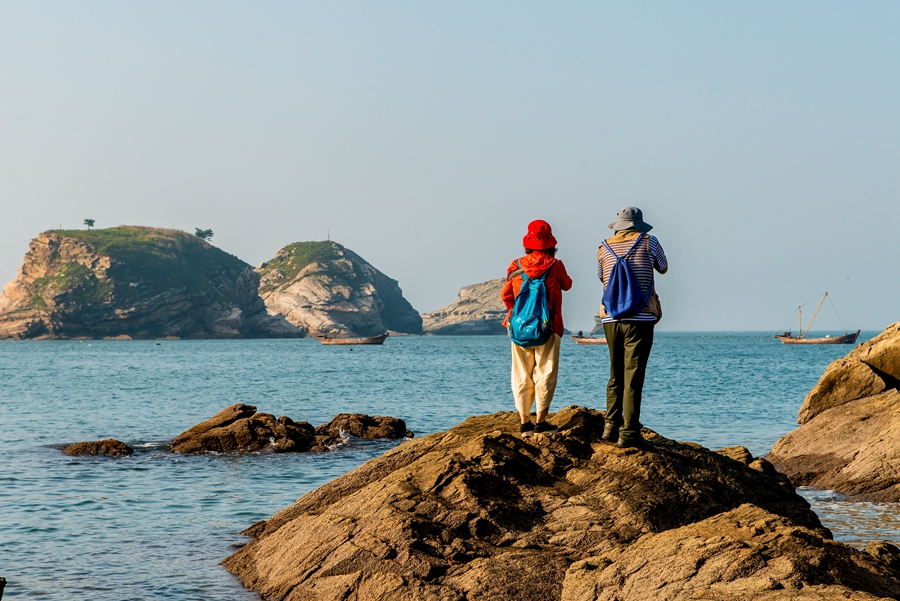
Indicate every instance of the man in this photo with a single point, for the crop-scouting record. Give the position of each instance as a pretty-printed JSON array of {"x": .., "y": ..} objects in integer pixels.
[
  {"x": 535, "y": 369},
  {"x": 629, "y": 337}
]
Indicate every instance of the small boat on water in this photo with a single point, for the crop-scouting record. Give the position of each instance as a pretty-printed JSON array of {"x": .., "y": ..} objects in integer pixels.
[
  {"x": 345, "y": 341},
  {"x": 582, "y": 339},
  {"x": 802, "y": 338}
]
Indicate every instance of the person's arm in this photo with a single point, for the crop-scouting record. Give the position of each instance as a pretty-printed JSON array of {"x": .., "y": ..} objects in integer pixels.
[
  {"x": 565, "y": 282},
  {"x": 508, "y": 293},
  {"x": 600, "y": 265},
  {"x": 660, "y": 262}
]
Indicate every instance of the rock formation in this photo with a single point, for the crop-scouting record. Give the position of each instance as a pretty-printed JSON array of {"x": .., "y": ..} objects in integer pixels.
[
  {"x": 239, "y": 428},
  {"x": 109, "y": 448},
  {"x": 849, "y": 438},
  {"x": 477, "y": 513},
  {"x": 324, "y": 288},
  {"x": 135, "y": 282},
  {"x": 477, "y": 310}
]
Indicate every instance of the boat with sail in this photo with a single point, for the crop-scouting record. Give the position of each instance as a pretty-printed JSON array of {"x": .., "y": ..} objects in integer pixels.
[{"x": 803, "y": 337}]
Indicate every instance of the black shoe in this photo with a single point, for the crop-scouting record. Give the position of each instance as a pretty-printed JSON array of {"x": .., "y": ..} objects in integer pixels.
[
  {"x": 634, "y": 443},
  {"x": 610, "y": 433},
  {"x": 545, "y": 428},
  {"x": 527, "y": 429}
]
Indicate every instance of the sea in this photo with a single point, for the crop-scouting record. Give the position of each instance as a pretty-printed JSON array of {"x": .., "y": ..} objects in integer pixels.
[{"x": 156, "y": 525}]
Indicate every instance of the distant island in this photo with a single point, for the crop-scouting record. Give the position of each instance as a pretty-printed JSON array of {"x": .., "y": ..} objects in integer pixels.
[{"x": 478, "y": 310}]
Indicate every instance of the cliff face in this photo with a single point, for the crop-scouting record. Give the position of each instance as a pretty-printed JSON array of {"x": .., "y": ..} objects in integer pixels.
[
  {"x": 133, "y": 281},
  {"x": 477, "y": 310},
  {"x": 325, "y": 288}
]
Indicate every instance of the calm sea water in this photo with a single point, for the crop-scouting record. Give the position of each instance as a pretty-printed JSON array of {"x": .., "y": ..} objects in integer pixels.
[{"x": 156, "y": 525}]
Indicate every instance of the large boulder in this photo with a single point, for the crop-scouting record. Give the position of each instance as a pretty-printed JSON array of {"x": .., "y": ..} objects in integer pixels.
[
  {"x": 849, "y": 438},
  {"x": 109, "y": 447},
  {"x": 133, "y": 282},
  {"x": 740, "y": 555},
  {"x": 478, "y": 513},
  {"x": 324, "y": 288},
  {"x": 239, "y": 428},
  {"x": 477, "y": 310},
  {"x": 869, "y": 369}
]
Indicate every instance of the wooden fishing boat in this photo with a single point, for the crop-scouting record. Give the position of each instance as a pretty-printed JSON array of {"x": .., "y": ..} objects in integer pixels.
[
  {"x": 587, "y": 340},
  {"x": 345, "y": 341},
  {"x": 802, "y": 337}
]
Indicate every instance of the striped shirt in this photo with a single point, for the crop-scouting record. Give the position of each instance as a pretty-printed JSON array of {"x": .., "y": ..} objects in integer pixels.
[{"x": 646, "y": 257}]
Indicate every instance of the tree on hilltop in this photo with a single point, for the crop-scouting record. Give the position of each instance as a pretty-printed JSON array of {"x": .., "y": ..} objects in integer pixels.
[
  {"x": 203, "y": 234},
  {"x": 89, "y": 223}
]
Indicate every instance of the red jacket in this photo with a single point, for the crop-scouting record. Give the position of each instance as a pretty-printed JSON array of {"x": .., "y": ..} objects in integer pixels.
[{"x": 534, "y": 264}]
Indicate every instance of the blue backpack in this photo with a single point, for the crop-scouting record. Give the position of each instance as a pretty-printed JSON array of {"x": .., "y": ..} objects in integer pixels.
[
  {"x": 529, "y": 324},
  {"x": 623, "y": 296}
]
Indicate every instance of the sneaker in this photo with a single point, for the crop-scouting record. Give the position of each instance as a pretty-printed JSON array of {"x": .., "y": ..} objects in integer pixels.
[
  {"x": 527, "y": 430},
  {"x": 610, "y": 433},
  {"x": 545, "y": 428}
]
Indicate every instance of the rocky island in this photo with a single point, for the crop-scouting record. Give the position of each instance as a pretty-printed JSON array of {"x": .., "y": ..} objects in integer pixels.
[
  {"x": 477, "y": 310},
  {"x": 133, "y": 282},
  {"x": 849, "y": 434},
  {"x": 324, "y": 288},
  {"x": 476, "y": 513}
]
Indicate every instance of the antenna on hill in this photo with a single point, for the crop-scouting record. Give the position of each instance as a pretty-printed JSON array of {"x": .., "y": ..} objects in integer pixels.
[{"x": 329, "y": 234}]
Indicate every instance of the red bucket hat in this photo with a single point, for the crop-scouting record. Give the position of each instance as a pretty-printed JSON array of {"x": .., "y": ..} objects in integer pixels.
[{"x": 539, "y": 236}]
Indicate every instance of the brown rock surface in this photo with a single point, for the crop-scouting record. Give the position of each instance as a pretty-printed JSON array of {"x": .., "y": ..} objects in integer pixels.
[
  {"x": 364, "y": 426},
  {"x": 743, "y": 554},
  {"x": 477, "y": 310},
  {"x": 478, "y": 513},
  {"x": 870, "y": 368},
  {"x": 849, "y": 437},
  {"x": 109, "y": 447},
  {"x": 239, "y": 428}
]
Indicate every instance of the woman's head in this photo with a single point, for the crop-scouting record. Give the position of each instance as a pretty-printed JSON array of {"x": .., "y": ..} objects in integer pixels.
[{"x": 539, "y": 236}]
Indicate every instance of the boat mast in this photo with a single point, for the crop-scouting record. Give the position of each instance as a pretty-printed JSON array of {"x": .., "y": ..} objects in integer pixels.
[
  {"x": 799, "y": 323},
  {"x": 814, "y": 314}
]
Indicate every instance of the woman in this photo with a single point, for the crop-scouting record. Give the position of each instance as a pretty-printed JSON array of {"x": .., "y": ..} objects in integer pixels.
[{"x": 535, "y": 368}]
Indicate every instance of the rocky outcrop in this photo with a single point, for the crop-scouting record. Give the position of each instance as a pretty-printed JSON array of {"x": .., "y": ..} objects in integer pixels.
[
  {"x": 477, "y": 310},
  {"x": 324, "y": 288},
  {"x": 109, "y": 448},
  {"x": 366, "y": 427},
  {"x": 744, "y": 554},
  {"x": 133, "y": 282},
  {"x": 849, "y": 437},
  {"x": 477, "y": 513},
  {"x": 239, "y": 428}
]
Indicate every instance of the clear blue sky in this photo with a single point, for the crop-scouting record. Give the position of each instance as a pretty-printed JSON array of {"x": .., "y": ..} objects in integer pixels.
[{"x": 761, "y": 139}]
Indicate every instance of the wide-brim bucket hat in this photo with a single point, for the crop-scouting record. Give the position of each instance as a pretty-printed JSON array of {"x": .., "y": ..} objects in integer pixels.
[
  {"x": 539, "y": 236},
  {"x": 630, "y": 217}
]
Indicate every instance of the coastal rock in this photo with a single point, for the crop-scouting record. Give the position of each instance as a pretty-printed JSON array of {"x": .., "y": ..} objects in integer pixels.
[
  {"x": 323, "y": 288},
  {"x": 109, "y": 447},
  {"x": 869, "y": 369},
  {"x": 478, "y": 310},
  {"x": 478, "y": 513},
  {"x": 743, "y": 554},
  {"x": 135, "y": 282},
  {"x": 239, "y": 428},
  {"x": 367, "y": 427},
  {"x": 849, "y": 438}
]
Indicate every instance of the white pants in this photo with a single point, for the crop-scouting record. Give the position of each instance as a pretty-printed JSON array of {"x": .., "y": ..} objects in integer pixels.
[{"x": 534, "y": 373}]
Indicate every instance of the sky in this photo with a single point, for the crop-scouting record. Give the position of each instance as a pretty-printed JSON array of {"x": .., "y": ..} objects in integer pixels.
[{"x": 760, "y": 139}]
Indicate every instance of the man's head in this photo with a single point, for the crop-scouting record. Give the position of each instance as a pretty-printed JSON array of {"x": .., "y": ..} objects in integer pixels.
[{"x": 630, "y": 217}]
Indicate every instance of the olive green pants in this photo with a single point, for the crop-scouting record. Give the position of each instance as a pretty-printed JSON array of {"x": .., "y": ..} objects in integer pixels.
[{"x": 629, "y": 350}]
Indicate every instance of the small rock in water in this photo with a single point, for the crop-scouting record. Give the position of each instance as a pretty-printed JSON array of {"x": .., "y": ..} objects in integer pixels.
[
  {"x": 239, "y": 428},
  {"x": 109, "y": 447}
]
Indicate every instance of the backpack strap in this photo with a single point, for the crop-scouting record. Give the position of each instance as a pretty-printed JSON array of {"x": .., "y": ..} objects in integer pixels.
[
  {"x": 517, "y": 272},
  {"x": 630, "y": 250}
]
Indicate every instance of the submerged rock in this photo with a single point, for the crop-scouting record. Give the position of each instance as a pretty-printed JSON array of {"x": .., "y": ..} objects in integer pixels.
[
  {"x": 478, "y": 310},
  {"x": 849, "y": 437},
  {"x": 109, "y": 447},
  {"x": 133, "y": 283},
  {"x": 363, "y": 426},
  {"x": 239, "y": 428},
  {"x": 478, "y": 513},
  {"x": 324, "y": 288}
]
